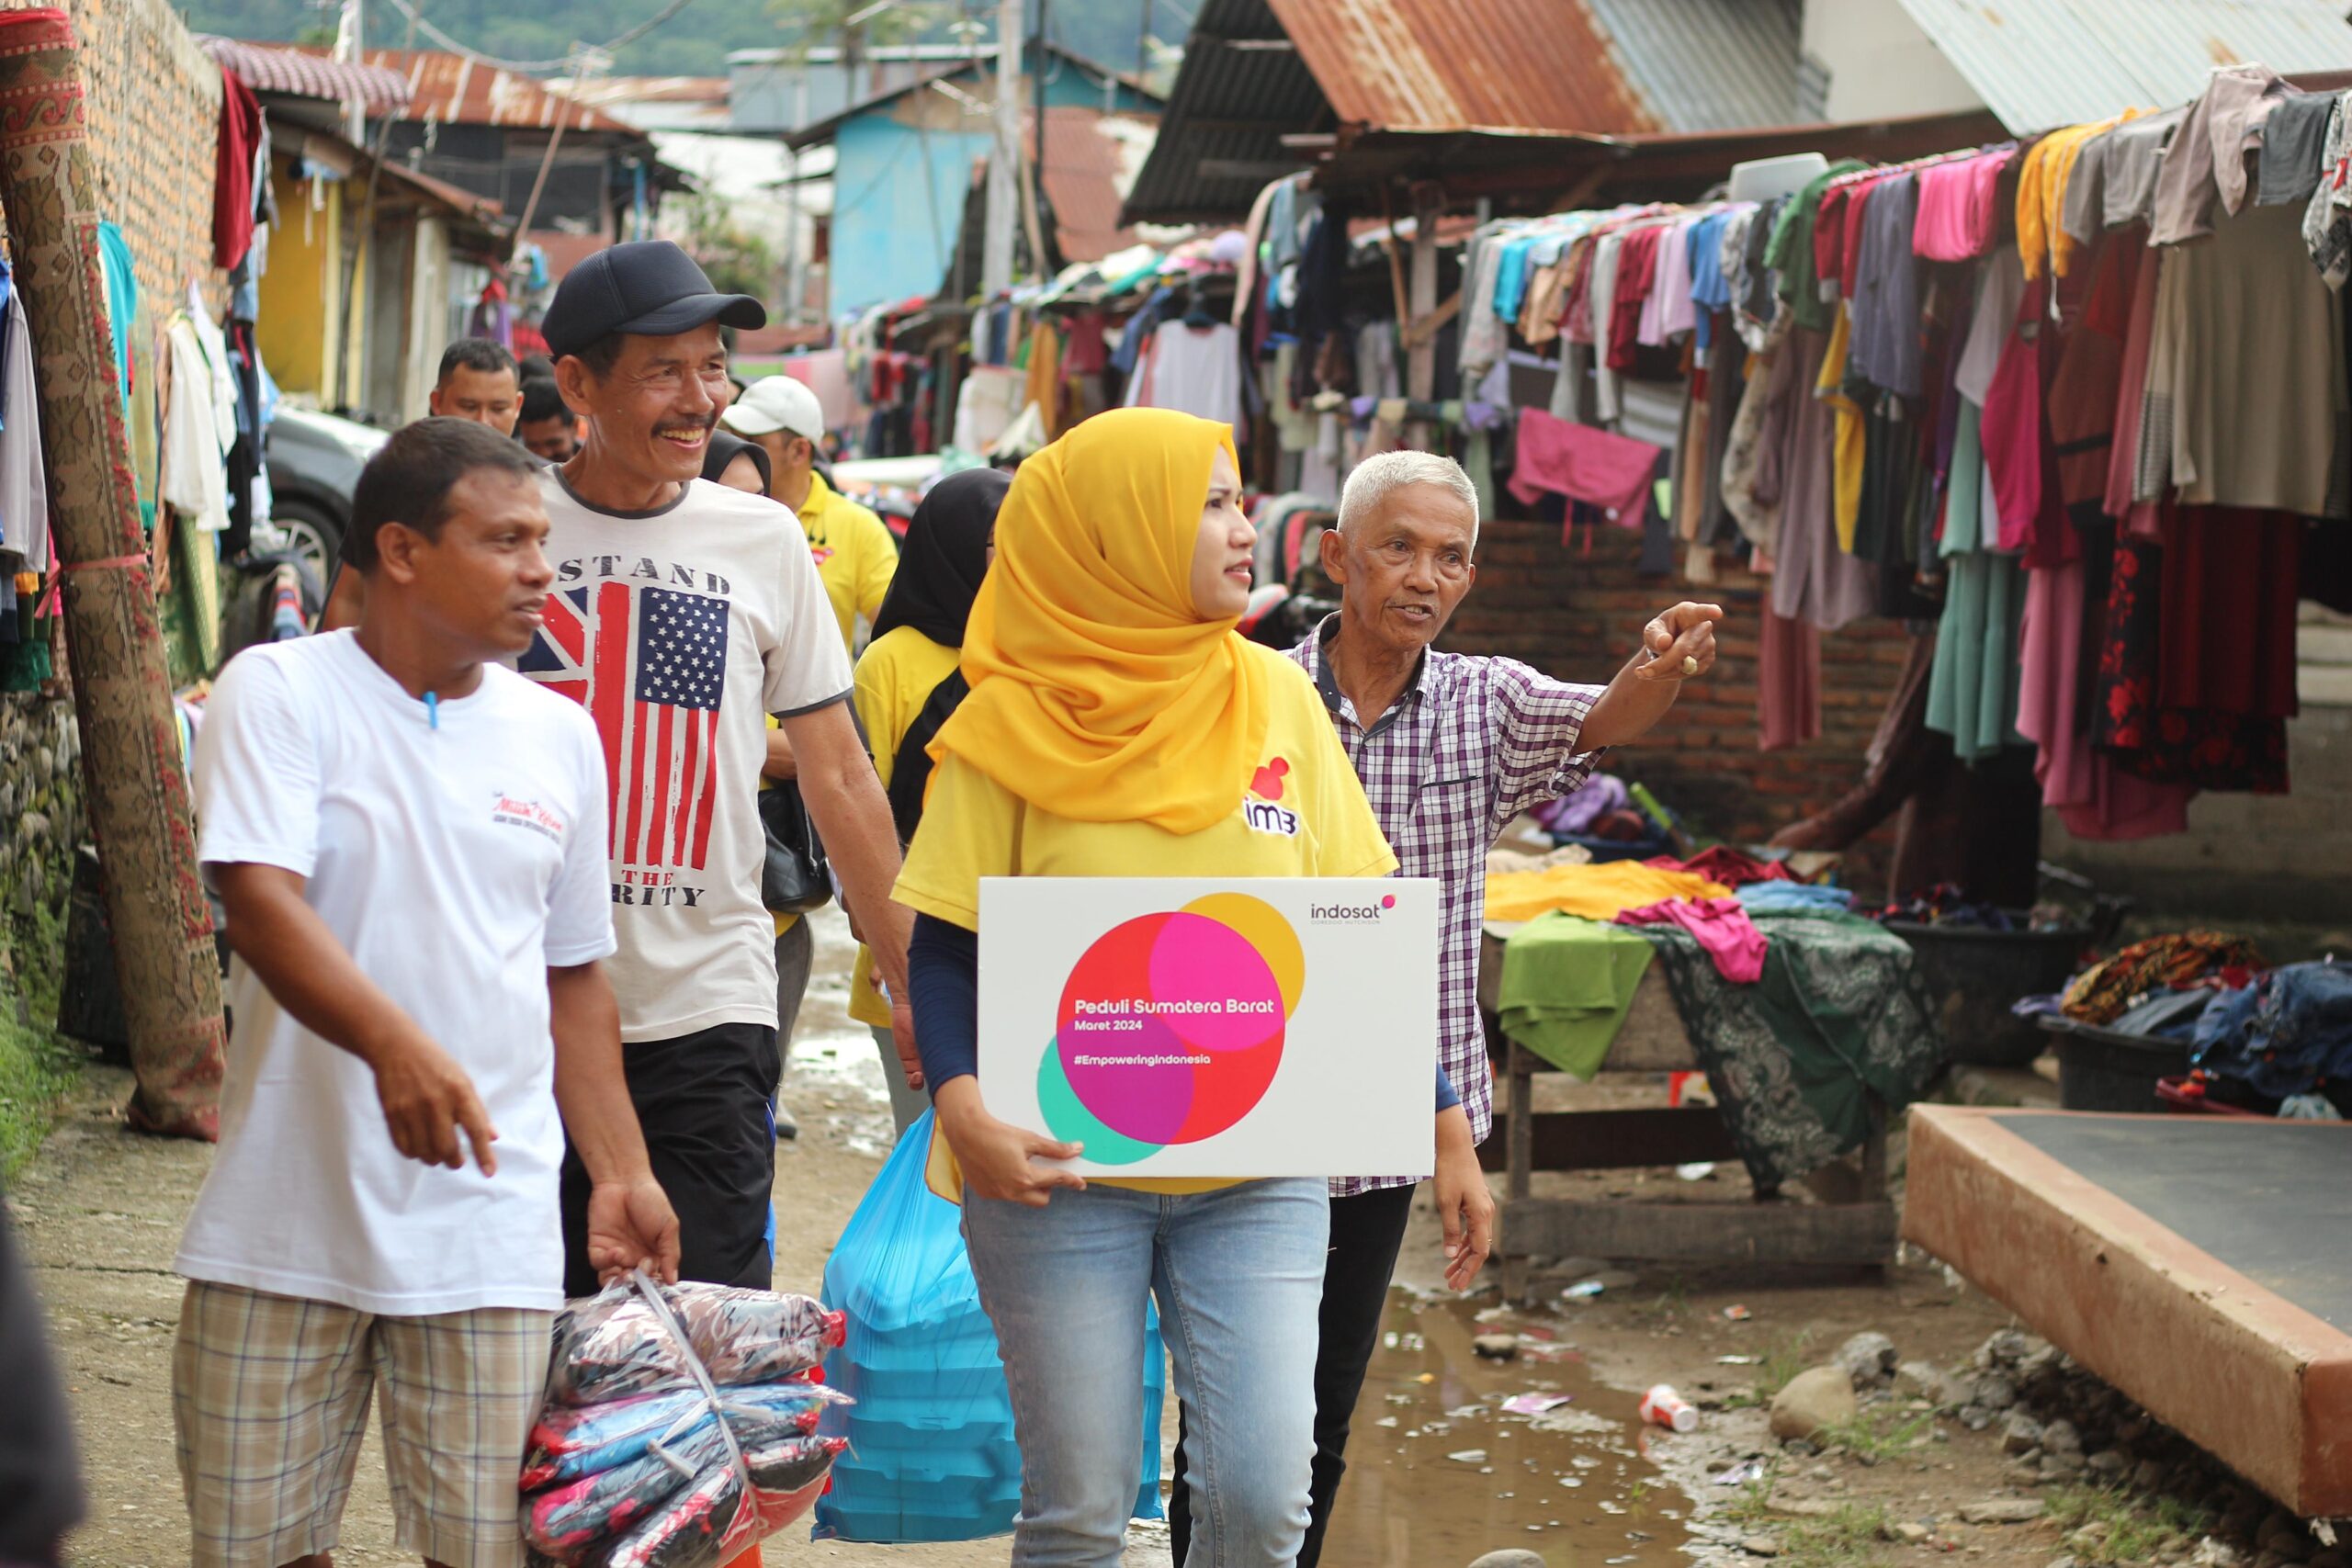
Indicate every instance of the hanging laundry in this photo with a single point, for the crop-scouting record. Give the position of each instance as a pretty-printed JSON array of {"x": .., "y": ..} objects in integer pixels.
[
  {"x": 233, "y": 179},
  {"x": 1194, "y": 369},
  {"x": 24, "y": 486},
  {"x": 195, "y": 452},
  {"x": 1595, "y": 466}
]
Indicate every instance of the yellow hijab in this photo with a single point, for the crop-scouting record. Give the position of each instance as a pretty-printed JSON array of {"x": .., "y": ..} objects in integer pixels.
[{"x": 1098, "y": 692}]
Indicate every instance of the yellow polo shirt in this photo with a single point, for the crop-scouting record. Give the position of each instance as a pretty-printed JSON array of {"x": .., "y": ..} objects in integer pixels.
[
  {"x": 855, "y": 554},
  {"x": 1303, "y": 815}
]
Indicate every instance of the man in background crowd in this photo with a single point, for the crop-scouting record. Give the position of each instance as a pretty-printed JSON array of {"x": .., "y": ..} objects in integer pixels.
[
  {"x": 548, "y": 429},
  {"x": 854, "y": 553},
  {"x": 479, "y": 381}
]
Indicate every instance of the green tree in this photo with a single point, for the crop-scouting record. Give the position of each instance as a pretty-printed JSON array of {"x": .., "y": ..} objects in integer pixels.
[{"x": 738, "y": 261}]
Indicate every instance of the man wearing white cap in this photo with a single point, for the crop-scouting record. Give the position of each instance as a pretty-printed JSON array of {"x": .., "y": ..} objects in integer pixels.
[{"x": 854, "y": 552}]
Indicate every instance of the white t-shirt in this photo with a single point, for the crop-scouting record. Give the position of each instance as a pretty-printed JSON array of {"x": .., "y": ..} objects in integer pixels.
[
  {"x": 456, "y": 865},
  {"x": 681, "y": 630},
  {"x": 1196, "y": 370}
]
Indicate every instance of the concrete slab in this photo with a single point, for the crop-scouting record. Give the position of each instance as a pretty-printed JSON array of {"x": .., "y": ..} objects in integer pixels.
[{"x": 2199, "y": 1266}]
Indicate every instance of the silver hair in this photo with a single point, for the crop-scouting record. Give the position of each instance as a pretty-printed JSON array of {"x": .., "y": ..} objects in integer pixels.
[{"x": 1381, "y": 475}]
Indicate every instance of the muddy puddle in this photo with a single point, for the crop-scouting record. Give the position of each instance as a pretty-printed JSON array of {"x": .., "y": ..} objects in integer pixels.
[{"x": 1454, "y": 1455}]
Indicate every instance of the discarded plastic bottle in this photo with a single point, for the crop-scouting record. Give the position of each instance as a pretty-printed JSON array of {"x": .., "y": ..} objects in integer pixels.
[{"x": 1664, "y": 1407}]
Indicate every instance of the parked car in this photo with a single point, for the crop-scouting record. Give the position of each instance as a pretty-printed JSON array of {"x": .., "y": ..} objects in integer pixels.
[{"x": 314, "y": 463}]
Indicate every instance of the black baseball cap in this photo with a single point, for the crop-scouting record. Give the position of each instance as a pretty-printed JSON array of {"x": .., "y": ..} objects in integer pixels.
[{"x": 647, "y": 288}]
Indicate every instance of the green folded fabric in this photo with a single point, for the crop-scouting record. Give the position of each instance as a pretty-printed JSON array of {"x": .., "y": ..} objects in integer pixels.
[{"x": 1566, "y": 985}]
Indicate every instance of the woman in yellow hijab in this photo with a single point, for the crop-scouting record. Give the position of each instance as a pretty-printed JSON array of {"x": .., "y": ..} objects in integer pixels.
[{"x": 1118, "y": 725}]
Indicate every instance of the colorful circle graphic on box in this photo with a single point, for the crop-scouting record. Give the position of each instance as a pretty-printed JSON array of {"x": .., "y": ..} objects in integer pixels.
[{"x": 1170, "y": 1027}]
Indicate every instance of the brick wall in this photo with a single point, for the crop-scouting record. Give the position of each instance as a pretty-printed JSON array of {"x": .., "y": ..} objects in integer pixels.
[
  {"x": 153, "y": 105},
  {"x": 153, "y": 102},
  {"x": 1579, "y": 616}
]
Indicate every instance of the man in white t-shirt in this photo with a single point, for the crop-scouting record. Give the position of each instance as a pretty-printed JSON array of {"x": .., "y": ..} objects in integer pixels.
[
  {"x": 685, "y": 614},
  {"x": 410, "y": 843}
]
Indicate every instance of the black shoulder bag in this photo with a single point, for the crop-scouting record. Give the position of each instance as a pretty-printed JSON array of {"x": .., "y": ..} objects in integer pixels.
[{"x": 796, "y": 878}]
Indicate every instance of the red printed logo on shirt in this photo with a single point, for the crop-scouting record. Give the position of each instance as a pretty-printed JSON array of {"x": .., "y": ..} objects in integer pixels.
[
  {"x": 509, "y": 811},
  {"x": 1263, "y": 815},
  {"x": 821, "y": 553}
]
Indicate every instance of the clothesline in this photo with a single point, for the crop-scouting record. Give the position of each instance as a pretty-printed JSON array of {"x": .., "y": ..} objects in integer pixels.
[{"x": 1958, "y": 155}]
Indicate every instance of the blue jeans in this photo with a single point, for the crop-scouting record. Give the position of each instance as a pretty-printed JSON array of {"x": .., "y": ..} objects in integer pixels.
[{"x": 1239, "y": 1274}]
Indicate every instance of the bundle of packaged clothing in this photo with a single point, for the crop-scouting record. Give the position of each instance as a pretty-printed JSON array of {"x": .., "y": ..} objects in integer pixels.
[
  {"x": 681, "y": 1426},
  {"x": 2079, "y": 401}
]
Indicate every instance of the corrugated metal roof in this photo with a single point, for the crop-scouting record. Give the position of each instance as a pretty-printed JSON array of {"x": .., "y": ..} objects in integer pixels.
[
  {"x": 1707, "y": 64},
  {"x": 2042, "y": 63},
  {"x": 299, "y": 73},
  {"x": 453, "y": 90},
  {"x": 649, "y": 90},
  {"x": 1459, "y": 65},
  {"x": 1596, "y": 67},
  {"x": 1220, "y": 138}
]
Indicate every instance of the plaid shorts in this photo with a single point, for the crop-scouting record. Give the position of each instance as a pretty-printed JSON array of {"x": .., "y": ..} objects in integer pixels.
[{"x": 270, "y": 1396}]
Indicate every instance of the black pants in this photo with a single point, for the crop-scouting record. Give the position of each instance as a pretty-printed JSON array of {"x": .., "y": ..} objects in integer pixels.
[
  {"x": 1366, "y": 1232},
  {"x": 703, "y": 1101}
]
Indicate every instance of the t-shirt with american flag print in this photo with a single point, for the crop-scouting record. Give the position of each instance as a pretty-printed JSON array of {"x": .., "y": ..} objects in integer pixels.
[{"x": 680, "y": 630}]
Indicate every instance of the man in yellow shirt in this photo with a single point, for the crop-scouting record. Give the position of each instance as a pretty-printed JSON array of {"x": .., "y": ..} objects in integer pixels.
[{"x": 854, "y": 552}]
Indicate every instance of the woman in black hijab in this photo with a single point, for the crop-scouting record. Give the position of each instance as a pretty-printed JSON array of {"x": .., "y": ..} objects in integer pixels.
[
  {"x": 908, "y": 684},
  {"x": 739, "y": 464}
]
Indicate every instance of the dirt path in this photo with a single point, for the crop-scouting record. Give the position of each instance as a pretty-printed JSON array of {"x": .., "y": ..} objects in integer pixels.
[{"x": 101, "y": 1212}]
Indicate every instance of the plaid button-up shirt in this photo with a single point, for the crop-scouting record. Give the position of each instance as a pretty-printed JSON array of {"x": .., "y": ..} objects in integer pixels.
[{"x": 1469, "y": 746}]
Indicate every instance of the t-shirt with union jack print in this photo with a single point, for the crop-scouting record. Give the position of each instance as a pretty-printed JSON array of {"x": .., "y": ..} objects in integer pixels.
[{"x": 680, "y": 630}]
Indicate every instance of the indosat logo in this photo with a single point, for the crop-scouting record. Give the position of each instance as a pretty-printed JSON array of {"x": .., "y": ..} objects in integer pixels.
[
  {"x": 1361, "y": 914},
  {"x": 1170, "y": 1027}
]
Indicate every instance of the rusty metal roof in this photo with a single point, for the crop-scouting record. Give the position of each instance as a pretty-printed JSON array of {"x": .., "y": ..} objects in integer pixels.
[
  {"x": 302, "y": 74},
  {"x": 1256, "y": 71},
  {"x": 1464, "y": 64},
  {"x": 1612, "y": 67},
  {"x": 453, "y": 90}
]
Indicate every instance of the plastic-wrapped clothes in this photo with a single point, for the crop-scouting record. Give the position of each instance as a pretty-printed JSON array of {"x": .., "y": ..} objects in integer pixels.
[
  {"x": 571, "y": 1441},
  {"x": 704, "y": 1523},
  {"x": 614, "y": 1344},
  {"x": 569, "y": 1522}
]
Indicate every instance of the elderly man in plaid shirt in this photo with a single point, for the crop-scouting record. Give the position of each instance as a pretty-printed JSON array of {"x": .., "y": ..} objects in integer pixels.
[{"x": 1450, "y": 749}]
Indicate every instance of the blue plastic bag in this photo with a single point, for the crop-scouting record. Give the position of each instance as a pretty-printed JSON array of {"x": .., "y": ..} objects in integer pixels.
[{"x": 931, "y": 1455}]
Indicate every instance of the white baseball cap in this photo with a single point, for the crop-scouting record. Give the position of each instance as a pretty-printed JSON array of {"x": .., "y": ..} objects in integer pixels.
[{"x": 773, "y": 404}]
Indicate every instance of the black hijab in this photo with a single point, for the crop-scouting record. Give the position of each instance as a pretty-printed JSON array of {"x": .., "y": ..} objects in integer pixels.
[
  {"x": 945, "y": 556},
  {"x": 725, "y": 448}
]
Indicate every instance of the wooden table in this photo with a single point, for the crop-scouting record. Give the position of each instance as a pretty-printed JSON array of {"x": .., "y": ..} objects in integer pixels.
[{"x": 1769, "y": 1230}]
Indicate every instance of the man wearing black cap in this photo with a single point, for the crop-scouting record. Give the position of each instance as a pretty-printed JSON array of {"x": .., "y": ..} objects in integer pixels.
[{"x": 683, "y": 614}]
